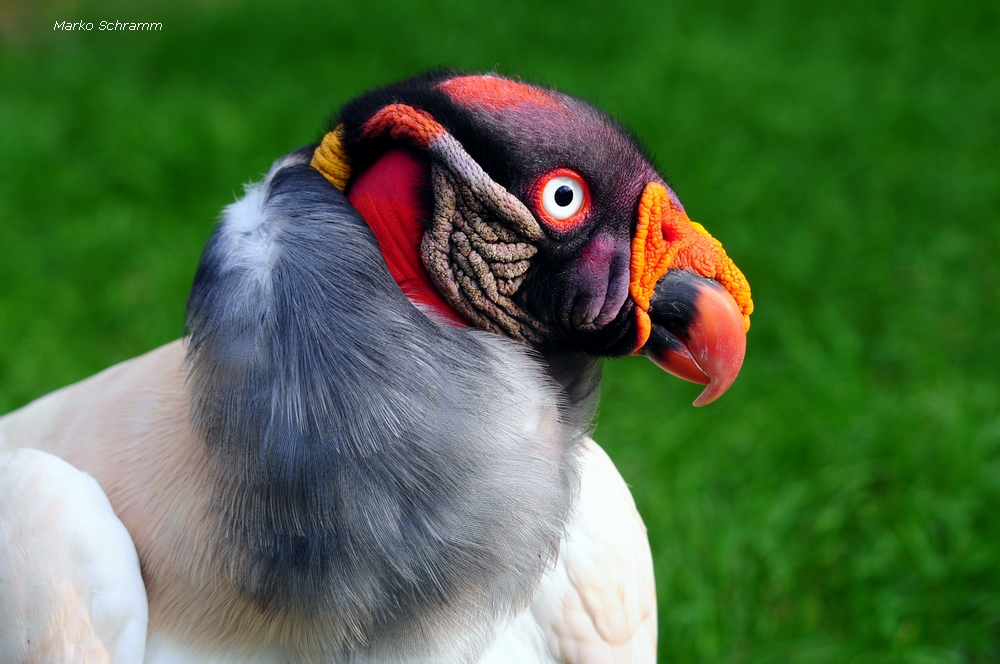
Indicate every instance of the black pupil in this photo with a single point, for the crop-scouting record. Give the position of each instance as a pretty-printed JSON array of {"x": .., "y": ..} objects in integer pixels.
[{"x": 564, "y": 196}]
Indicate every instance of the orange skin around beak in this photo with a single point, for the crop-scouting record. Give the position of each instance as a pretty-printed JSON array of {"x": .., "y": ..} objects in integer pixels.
[{"x": 693, "y": 304}]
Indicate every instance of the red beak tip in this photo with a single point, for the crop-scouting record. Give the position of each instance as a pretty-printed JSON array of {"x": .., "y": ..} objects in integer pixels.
[
  {"x": 712, "y": 391},
  {"x": 713, "y": 354},
  {"x": 704, "y": 398}
]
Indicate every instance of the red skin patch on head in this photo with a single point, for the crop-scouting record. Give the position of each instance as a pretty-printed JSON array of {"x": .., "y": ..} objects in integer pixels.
[
  {"x": 496, "y": 94},
  {"x": 387, "y": 196}
]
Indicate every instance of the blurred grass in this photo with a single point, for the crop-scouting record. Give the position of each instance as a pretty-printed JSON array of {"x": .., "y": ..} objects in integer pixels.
[{"x": 841, "y": 502}]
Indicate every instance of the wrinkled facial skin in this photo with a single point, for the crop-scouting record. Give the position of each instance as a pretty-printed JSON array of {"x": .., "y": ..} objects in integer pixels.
[
  {"x": 509, "y": 257},
  {"x": 578, "y": 285},
  {"x": 576, "y": 288}
]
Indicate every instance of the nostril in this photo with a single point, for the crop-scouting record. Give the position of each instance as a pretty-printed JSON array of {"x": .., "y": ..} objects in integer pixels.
[{"x": 669, "y": 232}]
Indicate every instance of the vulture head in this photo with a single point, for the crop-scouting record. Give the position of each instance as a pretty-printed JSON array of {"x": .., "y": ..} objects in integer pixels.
[
  {"x": 528, "y": 212},
  {"x": 392, "y": 345}
]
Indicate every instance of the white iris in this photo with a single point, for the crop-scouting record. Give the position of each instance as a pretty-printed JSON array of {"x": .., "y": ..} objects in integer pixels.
[{"x": 562, "y": 197}]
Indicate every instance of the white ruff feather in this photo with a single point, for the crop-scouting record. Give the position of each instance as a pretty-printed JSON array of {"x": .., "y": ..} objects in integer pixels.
[{"x": 72, "y": 590}]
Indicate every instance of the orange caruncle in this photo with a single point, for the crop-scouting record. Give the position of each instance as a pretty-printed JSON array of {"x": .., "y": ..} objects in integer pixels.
[{"x": 665, "y": 239}]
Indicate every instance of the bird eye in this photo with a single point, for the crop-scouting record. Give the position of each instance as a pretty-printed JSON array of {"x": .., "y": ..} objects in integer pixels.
[{"x": 562, "y": 198}]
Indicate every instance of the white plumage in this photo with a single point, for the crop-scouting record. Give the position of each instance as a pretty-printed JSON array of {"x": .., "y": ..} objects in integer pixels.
[
  {"x": 599, "y": 602},
  {"x": 596, "y": 605},
  {"x": 70, "y": 586}
]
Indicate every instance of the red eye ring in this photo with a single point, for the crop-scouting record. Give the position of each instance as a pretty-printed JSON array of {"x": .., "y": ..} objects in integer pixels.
[{"x": 561, "y": 198}]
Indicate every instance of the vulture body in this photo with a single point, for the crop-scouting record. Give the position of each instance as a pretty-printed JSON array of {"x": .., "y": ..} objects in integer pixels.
[{"x": 371, "y": 444}]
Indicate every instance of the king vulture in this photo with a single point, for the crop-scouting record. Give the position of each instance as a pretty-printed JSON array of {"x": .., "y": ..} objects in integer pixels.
[{"x": 371, "y": 444}]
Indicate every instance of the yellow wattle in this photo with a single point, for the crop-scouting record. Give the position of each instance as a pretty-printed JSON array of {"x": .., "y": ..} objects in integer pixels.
[{"x": 330, "y": 159}]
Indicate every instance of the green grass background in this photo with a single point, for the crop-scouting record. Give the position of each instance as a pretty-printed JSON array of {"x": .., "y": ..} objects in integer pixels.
[{"x": 842, "y": 502}]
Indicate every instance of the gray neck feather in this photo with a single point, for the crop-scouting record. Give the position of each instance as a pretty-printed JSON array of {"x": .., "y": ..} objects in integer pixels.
[{"x": 396, "y": 480}]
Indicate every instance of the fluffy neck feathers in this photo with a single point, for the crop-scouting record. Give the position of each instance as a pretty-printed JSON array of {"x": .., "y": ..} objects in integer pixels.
[{"x": 396, "y": 479}]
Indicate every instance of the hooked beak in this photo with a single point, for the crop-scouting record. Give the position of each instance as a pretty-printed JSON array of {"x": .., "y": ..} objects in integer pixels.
[
  {"x": 693, "y": 304},
  {"x": 696, "y": 333}
]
